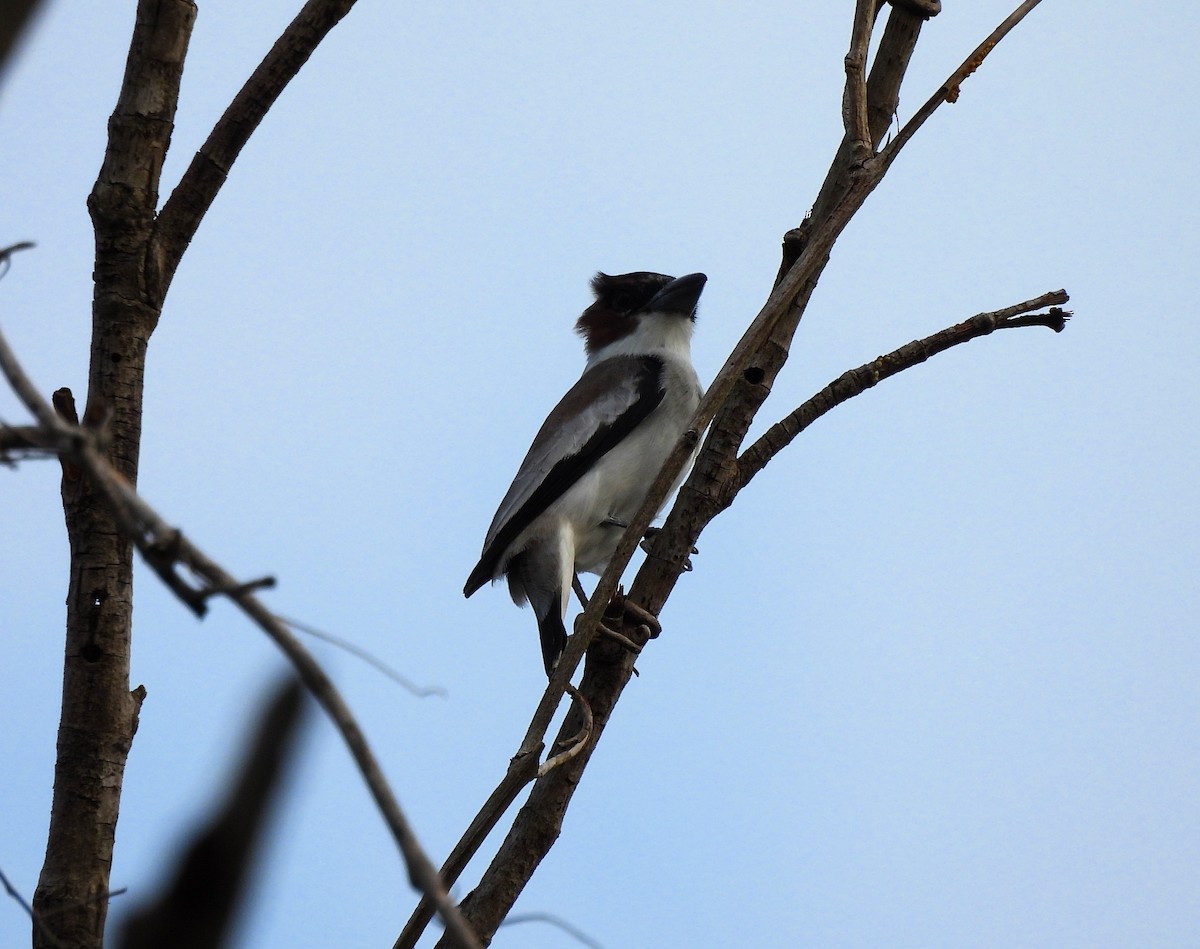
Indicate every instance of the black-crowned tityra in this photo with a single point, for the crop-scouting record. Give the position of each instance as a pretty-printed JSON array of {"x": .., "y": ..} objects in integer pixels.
[{"x": 598, "y": 451}]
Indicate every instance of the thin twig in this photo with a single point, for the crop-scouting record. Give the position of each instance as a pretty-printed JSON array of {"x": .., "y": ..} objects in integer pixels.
[
  {"x": 7, "y": 252},
  {"x": 146, "y": 528},
  {"x": 372, "y": 660},
  {"x": 182, "y": 212},
  {"x": 515, "y": 919},
  {"x": 948, "y": 90},
  {"x": 24, "y": 904},
  {"x": 856, "y": 381}
]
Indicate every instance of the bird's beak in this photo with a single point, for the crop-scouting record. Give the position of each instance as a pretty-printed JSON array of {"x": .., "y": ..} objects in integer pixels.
[{"x": 679, "y": 296}]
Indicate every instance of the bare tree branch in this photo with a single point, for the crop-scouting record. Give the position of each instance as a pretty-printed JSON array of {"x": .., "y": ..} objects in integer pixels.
[
  {"x": 15, "y": 17},
  {"x": 730, "y": 404},
  {"x": 137, "y": 254},
  {"x": 854, "y": 99},
  {"x": 420, "y": 691},
  {"x": 948, "y": 90},
  {"x": 164, "y": 547},
  {"x": 45, "y": 932},
  {"x": 857, "y": 381},
  {"x": 197, "y": 909},
  {"x": 557, "y": 921},
  {"x": 192, "y": 197},
  {"x": 25, "y": 439}
]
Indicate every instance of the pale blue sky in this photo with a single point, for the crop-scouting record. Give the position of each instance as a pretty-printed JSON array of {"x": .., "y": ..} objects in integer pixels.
[{"x": 934, "y": 680}]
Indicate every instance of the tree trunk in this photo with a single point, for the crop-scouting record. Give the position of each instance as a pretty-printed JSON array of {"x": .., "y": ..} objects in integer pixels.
[{"x": 99, "y": 713}]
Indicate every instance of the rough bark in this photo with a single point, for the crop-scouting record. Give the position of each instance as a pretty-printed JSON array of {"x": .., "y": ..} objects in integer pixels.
[
  {"x": 851, "y": 178},
  {"x": 99, "y": 712}
]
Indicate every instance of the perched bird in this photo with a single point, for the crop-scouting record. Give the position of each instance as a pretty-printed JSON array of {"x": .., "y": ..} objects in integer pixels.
[{"x": 591, "y": 464}]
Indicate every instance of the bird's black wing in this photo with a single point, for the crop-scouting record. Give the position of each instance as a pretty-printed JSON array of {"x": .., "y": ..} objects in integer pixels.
[{"x": 608, "y": 402}]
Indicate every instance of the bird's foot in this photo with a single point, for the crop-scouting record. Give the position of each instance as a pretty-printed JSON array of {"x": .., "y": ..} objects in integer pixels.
[
  {"x": 648, "y": 540},
  {"x": 622, "y": 608},
  {"x": 610, "y": 633}
]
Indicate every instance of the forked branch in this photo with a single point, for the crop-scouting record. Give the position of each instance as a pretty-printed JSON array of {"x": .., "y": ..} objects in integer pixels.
[
  {"x": 857, "y": 381},
  {"x": 732, "y": 401},
  {"x": 192, "y": 197}
]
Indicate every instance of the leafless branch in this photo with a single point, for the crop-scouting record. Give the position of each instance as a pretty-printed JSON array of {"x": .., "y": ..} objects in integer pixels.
[
  {"x": 575, "y": 932},
  {"x": 197, "y": 907},
  {"x": 7, "y": 252},
  {"x": 164, "y": 545},
  {"x": 856, "y": 381},
  {"x": 732, "y": 400},
  {"x": 24, "y": 439},
  {"x": 948, "y": 91},
  {"x": 419, "y": 691},
  {"x": 854, "y": 99},
  {"x": 45, "y": 932},
  {"x": 192, "y": 197}
]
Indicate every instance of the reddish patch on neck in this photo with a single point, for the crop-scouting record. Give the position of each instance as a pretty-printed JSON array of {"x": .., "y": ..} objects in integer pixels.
[{"x": 599, "y": 325}]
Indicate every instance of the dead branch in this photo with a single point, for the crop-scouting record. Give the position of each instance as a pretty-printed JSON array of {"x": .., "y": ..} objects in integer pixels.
[
  {"x": 419, "y": 691},
  {"x": 197, "y": 909},
  {"x": 730, "y": 405},
  {"x": 854, "y": 99},
  {"x": 192, "y": 197},
  {"x": 22, "y": 440},
  {"x": 43, "y": 930},
  {"x": 137, "y": 253},
  {"x": 99, "y": 710},
  {"x": 556, "y": 921},
  {"x": 948, "y": 91},
  {"x": 166, "y": 548},
  {"x": 857, "y": 381}
]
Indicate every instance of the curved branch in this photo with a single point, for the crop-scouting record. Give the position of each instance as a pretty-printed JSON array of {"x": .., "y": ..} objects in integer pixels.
[
  {"x": 192, "y": 197},
  {"x": 856, "y": 381},
  {"x": 165, "y": 547}
]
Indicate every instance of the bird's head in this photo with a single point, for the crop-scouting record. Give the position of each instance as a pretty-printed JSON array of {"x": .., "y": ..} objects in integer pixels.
[{"x": 639, "y": 312}]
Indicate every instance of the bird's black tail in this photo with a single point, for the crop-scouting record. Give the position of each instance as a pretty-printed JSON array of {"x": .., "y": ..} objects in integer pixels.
[{"x": 554, "y": 637}]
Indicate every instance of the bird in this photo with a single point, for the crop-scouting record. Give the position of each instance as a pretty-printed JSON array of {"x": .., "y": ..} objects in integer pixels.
[{"x": 592, "y": 462}]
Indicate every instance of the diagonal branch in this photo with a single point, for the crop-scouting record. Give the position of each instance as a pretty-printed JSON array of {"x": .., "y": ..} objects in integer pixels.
[
  {"x": 198, "y": 907},
  {"x": 192, "y": 197},
  {"x": 38, "y": 924},
  {"x": 856, "y": 381},
  {"x": 836, "y": 208},
  {"x": 152, "y": 535},
  {"x": 730, "y": 404},
  {"x": 948, "y": 91}
]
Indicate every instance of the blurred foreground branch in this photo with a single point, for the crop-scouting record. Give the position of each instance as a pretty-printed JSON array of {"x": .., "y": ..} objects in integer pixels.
[
  {"x": 197, "y": 909},
  {"x": 166, "y": 549}
]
